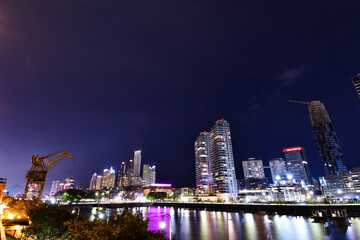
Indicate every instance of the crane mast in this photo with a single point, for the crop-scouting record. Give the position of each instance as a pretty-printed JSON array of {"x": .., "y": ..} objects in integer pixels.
[{"x": 36, "y": 176}]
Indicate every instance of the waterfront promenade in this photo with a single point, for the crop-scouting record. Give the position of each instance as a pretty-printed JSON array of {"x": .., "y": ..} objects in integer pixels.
[{"x": 353, "y": 210}]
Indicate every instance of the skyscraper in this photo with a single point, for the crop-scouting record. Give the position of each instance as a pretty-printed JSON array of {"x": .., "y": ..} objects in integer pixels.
[
  {"x": 92, "y": 185},
  {"x": 253, "y": 168},
  {"x": 137, "y": 163},
  {"x": 356, "y": 82},
  {"x": 326, "y": 139},
  {"x": 69, "y": 183},
  {"x": 105, "y": 178},
  {"x": 146, "y": 174},
  {"x": 278, "y": 169},
  {"x": 112, "y": 178},
  {"x": 297, "y": 165},
  {"x": 54, "y": 187},
  {"x": 222, "y": 160},
  {"x": 203, "y": 163},
  {"x": 98, "y": 182},
  {"x": 152, "y": 174},
  {"x": 122, "y": 175}
]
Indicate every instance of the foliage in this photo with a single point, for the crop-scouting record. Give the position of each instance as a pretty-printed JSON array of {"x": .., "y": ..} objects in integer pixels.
[
  {"x": 15, "y": 206},
  {"x": 118, "y": 226},
  {"x": 47, "y": 221},
  {"x": 70, "y": 195},
  {"x": 156, "y": 195}
]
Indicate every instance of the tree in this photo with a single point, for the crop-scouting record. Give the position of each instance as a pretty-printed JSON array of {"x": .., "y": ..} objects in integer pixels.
[
  {"x": 70, "y": 195},
  {"x": 156, "y": 195},
  {"x": 119, "y": 226},
  {"x": 47, "y": 221}
]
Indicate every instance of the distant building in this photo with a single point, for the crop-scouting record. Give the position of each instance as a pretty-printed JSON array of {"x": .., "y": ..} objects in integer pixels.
[
  {"x": 152, "y": 174},
  {"x": 92, "y": 185},
  {"x": 256, "y": 183},
  {"x": 222, "y": 161},
  {"x": 356, "y": 82},
  {"x": 203, "y": 163},
  {"x": 112, "y": 178},
  {"x": 157, "y": 187},
  {"x": 253, "y": 168},
  {"x": 80, "y": 186},
  {"x": 122, "y": 175},
  {"x": 326, "y": 139},
  {"x": 137, "y": 163},
  {"x": 278, "y": 169},
  {"x": 99, "y": 182},
  {"x": 69, "y": 183},
  {"x": 297, "y": 165},
  {"x": 332, "y": 185},
  {"x": 54, "y": 187},
  {"x": 61, "y": 187}
]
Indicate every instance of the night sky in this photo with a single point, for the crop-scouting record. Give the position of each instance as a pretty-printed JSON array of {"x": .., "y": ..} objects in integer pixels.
[{"x": 104, "y": 78}]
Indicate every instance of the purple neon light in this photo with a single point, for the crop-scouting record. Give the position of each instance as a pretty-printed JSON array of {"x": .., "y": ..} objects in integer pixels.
[{"x": 160, "y": 185}]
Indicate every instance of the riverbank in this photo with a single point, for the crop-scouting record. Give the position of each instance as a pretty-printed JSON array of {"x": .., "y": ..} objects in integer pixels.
[{"x": 353, "y": 210}]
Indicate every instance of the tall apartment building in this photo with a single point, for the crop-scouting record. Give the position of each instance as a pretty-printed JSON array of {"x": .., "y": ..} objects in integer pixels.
[
  {"x": 54, "y": 187},
  {"x": 326, "y": 138},
  {"x": 92, "y": 185},
  {"x": 152, "y": 174},
  {"x": 122, "y": 175},
  {"x": 203, "y": 163},
  {"x": 137, "y": 163},
  {"x": 253, "y": 168},
  {"x": 278, "y": 169},
  {"x": 297, "y": 165},
  {"x": 222, "y": 160},
  {"x": 69, "y": 183},
  {"x": 356, "y": 82},
  {"x": 99, "y": 182}
]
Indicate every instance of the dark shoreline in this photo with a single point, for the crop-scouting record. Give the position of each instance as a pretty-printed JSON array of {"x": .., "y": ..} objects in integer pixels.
[{"x": 352, "y": 210}]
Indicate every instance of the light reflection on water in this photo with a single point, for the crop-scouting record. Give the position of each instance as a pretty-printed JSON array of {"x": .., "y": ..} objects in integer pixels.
[{"x": 201, "y": 224}]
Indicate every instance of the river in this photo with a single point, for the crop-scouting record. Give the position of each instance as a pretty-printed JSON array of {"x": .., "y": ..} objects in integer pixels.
[{"x": 190, "y": 224}]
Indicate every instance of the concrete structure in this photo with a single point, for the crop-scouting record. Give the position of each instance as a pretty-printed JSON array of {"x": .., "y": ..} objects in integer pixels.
[
  {"x": 356, "y": 82},
  {"x": 137, "y": 163},
  {"x": 54, "y": 187},
  {"x": 278, "y": 169},
  {"x": 297, "y": 165},
  {"x": 253, "y": 168},
  {"x": 326, "y": 139},
  {"x": 203, "y": 164},
  {"x": 222, "y": 161}
]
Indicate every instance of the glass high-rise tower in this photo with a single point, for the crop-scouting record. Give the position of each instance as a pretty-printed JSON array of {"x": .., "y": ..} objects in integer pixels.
[
  {"x": 222, "y": 160},
  {"x": 203, "y": 164},
  {"x": 297, "y": 165},
  {"x": 326, "y": 139},
  {"x": 356, "y": 82}
]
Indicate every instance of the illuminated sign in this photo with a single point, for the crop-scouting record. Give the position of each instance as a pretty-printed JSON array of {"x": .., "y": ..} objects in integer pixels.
[
  {"x": 160, "y": 185},
  {"x": 292, "y": 149}
]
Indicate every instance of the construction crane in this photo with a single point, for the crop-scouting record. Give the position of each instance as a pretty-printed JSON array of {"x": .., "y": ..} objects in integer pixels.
[
  {"x": 9, "y": 189},
  {"x": 37, "y": 174},
  {"x": 292, "y": 101}
]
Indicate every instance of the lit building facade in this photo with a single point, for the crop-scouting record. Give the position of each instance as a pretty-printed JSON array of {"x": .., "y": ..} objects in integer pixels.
[
  {"x": 278, "y": 169},
  {"x": 54, "y": 187},
  {"x": 137, "y": 163},
  {"x": 356, "y": 82},
  {"x": 297, "y": 165},
  {"x": 326, "y": 139},
  {"x": 69, "y": 183},
  {"x": 222, "y": 160},
  {"x": 92, "y": 185},
  {"x": 253, "y": 168},
  {"x": 203, "y": 163},
  {"x": 332, "y": 185},
  {"x": 152, "y": 174},
  {"x": 99, "y": 182},
  {"x": 122, "y": 175}
]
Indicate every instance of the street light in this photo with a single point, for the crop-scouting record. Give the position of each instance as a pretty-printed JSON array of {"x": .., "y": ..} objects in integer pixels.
[{"x": 163, "y": 225}]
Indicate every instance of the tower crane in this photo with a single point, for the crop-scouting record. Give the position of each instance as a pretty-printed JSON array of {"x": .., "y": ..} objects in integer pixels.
[
  {"x": 292, "y": 101},
  {"x": 37, "y": 174}
]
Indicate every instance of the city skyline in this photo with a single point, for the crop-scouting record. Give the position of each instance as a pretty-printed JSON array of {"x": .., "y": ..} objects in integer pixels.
[{"x": 103, "y": 80}]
